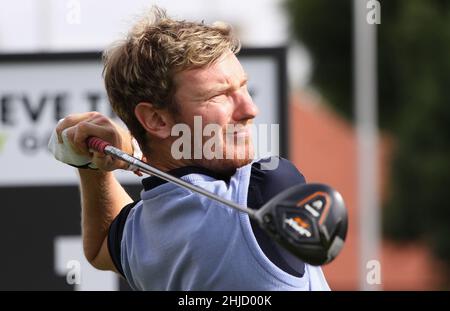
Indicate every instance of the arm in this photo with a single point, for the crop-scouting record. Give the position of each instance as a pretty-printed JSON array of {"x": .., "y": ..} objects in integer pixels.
[{"x": 102, "y": 197}]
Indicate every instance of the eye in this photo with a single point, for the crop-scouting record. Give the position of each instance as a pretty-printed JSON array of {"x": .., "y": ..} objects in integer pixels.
[
  {"x": 216, "y": 96},
  {"x": 244, "y": 87}
]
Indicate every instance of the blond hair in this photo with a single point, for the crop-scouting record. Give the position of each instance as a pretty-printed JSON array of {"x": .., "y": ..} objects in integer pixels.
[{"x": 141, "y": 67}]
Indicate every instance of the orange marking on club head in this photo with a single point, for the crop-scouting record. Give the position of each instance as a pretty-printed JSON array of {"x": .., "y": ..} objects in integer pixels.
[
  {"x": 301, "y": 222},
  {"x": 327, "y": 203}
]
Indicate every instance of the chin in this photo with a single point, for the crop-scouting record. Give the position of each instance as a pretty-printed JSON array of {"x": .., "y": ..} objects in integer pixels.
[
  {"x": 229, "y": 166},
  {"x": 241, "y": 156}
]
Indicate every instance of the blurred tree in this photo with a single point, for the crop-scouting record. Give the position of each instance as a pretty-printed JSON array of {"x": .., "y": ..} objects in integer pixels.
[{"x": 414, "y": 90}]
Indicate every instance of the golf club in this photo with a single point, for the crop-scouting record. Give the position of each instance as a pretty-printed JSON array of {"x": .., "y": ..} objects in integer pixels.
[{"x": 309, "y": 220}]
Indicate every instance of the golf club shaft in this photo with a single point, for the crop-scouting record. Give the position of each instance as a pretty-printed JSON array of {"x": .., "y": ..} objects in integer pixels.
[{"x": 102, "y": 146}]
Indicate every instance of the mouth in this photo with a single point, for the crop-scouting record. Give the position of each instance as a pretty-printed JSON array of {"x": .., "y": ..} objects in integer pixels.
[{"x": 241, "y": 133}]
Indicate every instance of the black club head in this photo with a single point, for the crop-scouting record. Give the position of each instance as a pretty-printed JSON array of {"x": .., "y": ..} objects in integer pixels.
[{"x": 310, "y": 220}]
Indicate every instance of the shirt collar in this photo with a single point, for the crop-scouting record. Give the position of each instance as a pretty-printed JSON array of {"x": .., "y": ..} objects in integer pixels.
[{"x": 153, "y": 181}]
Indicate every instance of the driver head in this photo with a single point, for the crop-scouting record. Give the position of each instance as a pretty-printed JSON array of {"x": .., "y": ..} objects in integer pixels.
[{"x": 308, "y": 219}]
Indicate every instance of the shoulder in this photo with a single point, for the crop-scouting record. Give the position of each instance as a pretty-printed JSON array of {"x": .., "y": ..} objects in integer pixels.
[
  {"x": 270, "y": 176},
  {"x": 276, "y": 166}
]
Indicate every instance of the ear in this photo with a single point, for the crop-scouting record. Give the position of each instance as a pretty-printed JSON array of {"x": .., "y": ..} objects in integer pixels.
[{"x": 157, "y": 122}]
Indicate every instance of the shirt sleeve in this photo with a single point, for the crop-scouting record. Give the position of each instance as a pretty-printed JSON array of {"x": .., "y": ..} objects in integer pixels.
[{"x": 115, "y": 236}]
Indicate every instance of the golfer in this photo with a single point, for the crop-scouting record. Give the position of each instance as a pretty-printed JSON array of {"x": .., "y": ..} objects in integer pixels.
[{"x": 164, "y": 74}]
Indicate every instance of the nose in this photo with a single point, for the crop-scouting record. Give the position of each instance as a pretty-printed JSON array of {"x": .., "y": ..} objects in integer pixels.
[{"x": 244, "y": 108}]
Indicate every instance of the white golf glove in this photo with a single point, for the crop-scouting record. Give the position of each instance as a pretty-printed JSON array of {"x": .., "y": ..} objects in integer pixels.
[{"x": 64, "y": 152}]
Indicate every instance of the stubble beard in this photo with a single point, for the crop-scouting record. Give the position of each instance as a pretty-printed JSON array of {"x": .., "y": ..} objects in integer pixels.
[{"x": 228, "y": 165}]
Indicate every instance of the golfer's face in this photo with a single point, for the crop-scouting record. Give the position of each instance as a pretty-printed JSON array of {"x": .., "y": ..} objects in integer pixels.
[{"x": 219, "y": 95}]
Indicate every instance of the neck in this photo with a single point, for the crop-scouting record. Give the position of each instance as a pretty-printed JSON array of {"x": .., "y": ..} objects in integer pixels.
[{"x": 162, "y": 159}]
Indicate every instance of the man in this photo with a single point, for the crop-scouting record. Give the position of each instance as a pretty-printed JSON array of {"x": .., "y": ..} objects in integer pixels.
[{"x": 166, "y": 73}]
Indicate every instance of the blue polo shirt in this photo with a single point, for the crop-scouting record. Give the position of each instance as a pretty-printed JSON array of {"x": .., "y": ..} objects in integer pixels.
[{"x": 174, "y": 239}]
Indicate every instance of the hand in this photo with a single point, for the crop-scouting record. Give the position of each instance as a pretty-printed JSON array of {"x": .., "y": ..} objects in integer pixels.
[{"x": 78, "y": 127}]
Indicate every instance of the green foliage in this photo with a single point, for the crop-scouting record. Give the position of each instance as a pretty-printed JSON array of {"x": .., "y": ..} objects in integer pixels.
[
  {"x": 324, "y": 27},
  {"x": 414, "y": 93}
]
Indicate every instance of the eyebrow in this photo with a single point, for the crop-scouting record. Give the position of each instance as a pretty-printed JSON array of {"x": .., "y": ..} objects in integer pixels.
[{"x": 224, "y": 87}]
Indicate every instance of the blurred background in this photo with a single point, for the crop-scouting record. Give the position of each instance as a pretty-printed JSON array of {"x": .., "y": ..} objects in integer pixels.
[{"x": 367, "y": 111}]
